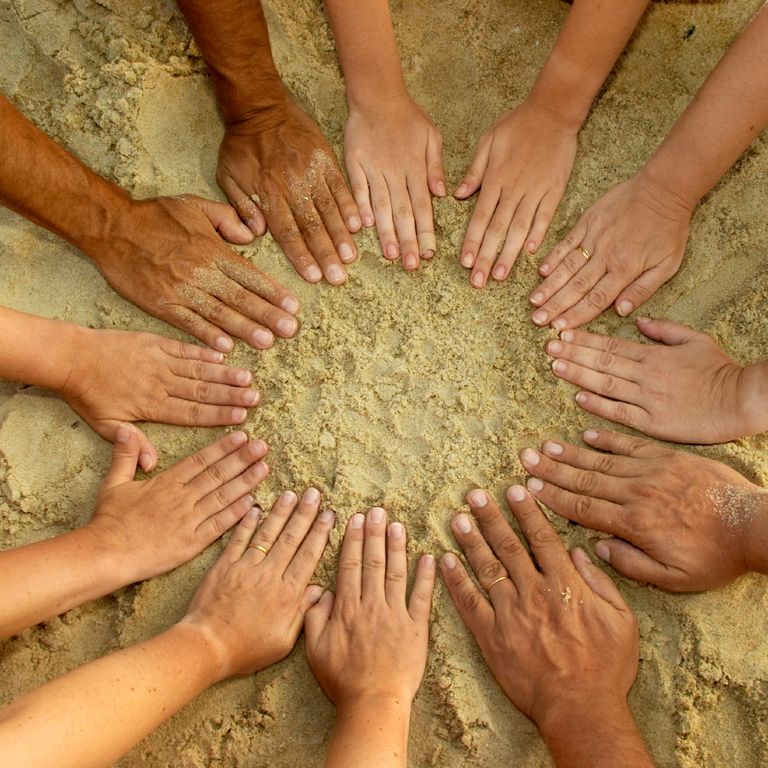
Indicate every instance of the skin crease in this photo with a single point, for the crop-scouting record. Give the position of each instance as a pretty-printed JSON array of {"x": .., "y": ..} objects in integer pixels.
[
  {"x": 246, "y": 615},
  {"x": 166, "y": 255},
  {"x": 275, "y": 166},
  {"x": 648, "y": 386},
  {"x": 367, "y": 647},
  {"x": 393, "y": 150},
  {"x": 113, "y": 377},
  {"x": 636, "y": 233},
  {"x": 681, "y": 522},
  {"x": 553, "y": 637},
  {"x": 139, "y": 529}
]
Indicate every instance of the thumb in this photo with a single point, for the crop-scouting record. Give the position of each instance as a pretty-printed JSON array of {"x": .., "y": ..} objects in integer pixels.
[
  {"x": 597, "y": 580},
  {"x": 636, "y": 564},
  {"x": 667, "y": 331},
  {"x": 125, "y": 457},
  {"x": 435, "y": 170},
  {"x": 318, "y": 615},
  {"x": 226, "y": 222}
]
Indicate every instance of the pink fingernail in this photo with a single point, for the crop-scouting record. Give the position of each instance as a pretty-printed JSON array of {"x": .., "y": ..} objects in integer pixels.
[
  {"x": 516, "y": 492},
  {"x": 530, "y": 457},
  {"x": 462, "y": 524},
  {"x": 540, "y": 318},
  {"x": 356, "y": 521},
  {"x": 396, "y": 531},
  {"x": 290, "y": 304},
  {"x": 224, "y": 344},
  {"x": 477, "y": 498},
  {"x": 449, "y": 561},
  {"x": 535, "y": 485},
  {"x": 537, "y": 298}
]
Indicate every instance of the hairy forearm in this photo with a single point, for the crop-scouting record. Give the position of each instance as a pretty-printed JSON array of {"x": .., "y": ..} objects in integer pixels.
[
  {"x": 370, "y": 734},
  {"x": 44, "y": 183},
  {"x": 234, "y": 39},
  {"x": 367, "y": 49},
  {"x": 725, "y": 116},
  {"x": 591, "y": 40},
  {"x": 111, "y": 704}
]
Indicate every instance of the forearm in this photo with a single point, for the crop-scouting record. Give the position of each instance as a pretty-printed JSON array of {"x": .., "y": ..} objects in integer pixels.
[
  {"x": 725, "y": 116},
  {"x": 367, "y": 49},
  {"x": 44, "y": 579},
  {"x": 111, "y": 704},
  {"x": 370, "y": 734},
  {"x": 234, "y": 39},
  {"x": 44, "y": 183},
  {"x": 593, "y": 36}
]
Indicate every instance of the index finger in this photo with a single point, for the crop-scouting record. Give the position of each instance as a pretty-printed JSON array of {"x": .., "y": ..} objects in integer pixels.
[
  {"x": 253, "y": 279},
  {"x": 286, "y": 232},
  {"x": 194, "y": 465}
]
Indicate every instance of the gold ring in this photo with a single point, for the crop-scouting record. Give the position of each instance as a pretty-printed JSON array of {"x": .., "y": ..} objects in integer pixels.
[
  {"x": 495, "y": 581},
  {"x": 587, "y": 254},
  {"x": 260, "y": 548}
]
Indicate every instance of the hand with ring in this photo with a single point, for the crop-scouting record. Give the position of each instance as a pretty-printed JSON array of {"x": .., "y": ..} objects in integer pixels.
[
  {"x": 559, "y": 639},
  {"x": 624, "y": 247}
]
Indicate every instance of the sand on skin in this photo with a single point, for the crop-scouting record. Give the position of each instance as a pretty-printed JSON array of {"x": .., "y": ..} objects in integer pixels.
[{"x": 401, "y": 390}]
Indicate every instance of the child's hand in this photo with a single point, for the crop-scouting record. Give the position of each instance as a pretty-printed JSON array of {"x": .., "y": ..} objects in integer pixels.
[
  {"x": 634, "y": 237},
  {"x": 365, "y": 645},
  {"x": 118, "y": 376},
  {"x": 251, "y": 605},
  {"x": 156, "y": 525},
  {"x": 393, "y": 153},
  {"x": 521, "y": 166}
]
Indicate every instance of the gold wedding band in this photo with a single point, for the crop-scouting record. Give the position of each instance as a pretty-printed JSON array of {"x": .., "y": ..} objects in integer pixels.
[
  {"x": 260, "y": 548},
  {"x": 587, "y": 254},
  {"x": 495, "y": 581}
]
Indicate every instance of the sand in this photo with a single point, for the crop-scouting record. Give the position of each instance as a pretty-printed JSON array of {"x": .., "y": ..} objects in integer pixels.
[{"x": 401, "y": 389}]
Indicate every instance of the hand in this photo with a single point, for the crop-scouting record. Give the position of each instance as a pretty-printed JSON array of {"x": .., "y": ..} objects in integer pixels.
[
  {"x": 283, "y": 166},
  {"x": 649, "y": 387},
  {"x": 366, "y": 644},
  {"x": 684, "y": 523},
  {"x": 165, "y": 255},
  {"x": 393, "y": 154},
  {"x": 635, "y": 236},
  {"x": 118, "y": 376},
  {"x": 251, "y": 605},
  {"x": 558, "y": 638},
  {"x": 160, "y": 523},
  {"x": 521, "y": 165}
]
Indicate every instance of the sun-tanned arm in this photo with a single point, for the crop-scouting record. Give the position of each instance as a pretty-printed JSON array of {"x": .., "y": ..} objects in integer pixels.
[
  {"x": 273, "y": 162},
  {"x": 164, "y": 254},
  {"x": 246, "y": 615},
  {"x": 636, "y": 233}
]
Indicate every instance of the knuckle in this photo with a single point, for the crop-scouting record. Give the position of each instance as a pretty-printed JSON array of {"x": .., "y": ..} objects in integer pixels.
[
  {"x": 286, "y": 233},
  {"x": 199, "y": 461},
  {"x": 193, "y": 413},
  {"x": 214, "y": 473},
  {"x": 469, "y": 600},
  {"x": 519, "y": 226},
  {"x": 374, "y": 563},
  {"x": 351, "y": 564},
  {"x": 221, "y": 498},
  {"x": 198, "y": 370},
  {"x": 606, "y": 360},
  {"x": 491, "y": 571},
  {"x": 613, "y": 345},
  {"x": 402, "y": 211},
  {"x": 543, "y": 535},
  {"x": 597, "y": 299},
  {"x": 214, "y": 311},
  {"x": 510, "y": 546},
  {"x": 290, "y": 539},
  {"x": 604, "y": 463},
  {"x": 610, "y": 384},
  {"x": 396, "y": 575},
  {"x": 582, "y": 508},
  {"x": 202, "y": 391},
  {"x": 586, "y": 482},
  {"x": 579, "y": 283}
]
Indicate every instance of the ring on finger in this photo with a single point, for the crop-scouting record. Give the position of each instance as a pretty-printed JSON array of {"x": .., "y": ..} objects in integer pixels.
[
  {"x": 585, "y": 252},
  {"x": 496, "y": 581},
  {"x": 260, "y": 548}
]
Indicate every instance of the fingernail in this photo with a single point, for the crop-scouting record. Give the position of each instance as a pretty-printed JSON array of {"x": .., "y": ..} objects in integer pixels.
[
  {"x": 368, "y": 220},
  {"x": 238, "y": 438},
  {"x": 287, "y": 498},
  {"x": 477, "y": 279},
  {"x": 499, "y": 272},
  {"x": 603, "y": 551},
  {"x": 243, "y": 378},
  {"x": 428, "y": 561},
  {"x": 254, "y": 512},
  {"x": 217, "y": 357},
  {"x": 224, "y": 344},
  {"x": 311, "y": 496},
  {"x": 554, "y": 347},
  {"x": 535, "y": 485},
  {"x": 314, "y": 593},
  {"x": 250, "y": 396},
  {"x": 428, "y": 254},
  {"x": 239, "y": 414},
  {"x": 290, "y": 304},
  {"x": 531, "y": 247},
  {"x": 145, "y": 461},
  {"x": 559, "y": 324},
  {"x": 581, "y": 397},
  {"x": 449, "y": 561},
  {"x": 396, "y": 531},
  {"x": 356, "y": 521},
  {"x": 566, "y": 335},
  {"x": 326, "y": 516},
  {"x": 644, "y": 320},
  {"x": 516, "y": 492},
  {"x": 540, "y": 318},
  {"x": 537, "y": 298},
  {"x": 582, "y": 555},
  {"x": 410, "y": 261},
  {"x": 123, "y": 434},
  {"x": 530, "y": 457},
  {"x": 346, "y": 254},
  {"x": 467, "y": 260},
  {"x": 354, "y": 223},
  {"x": 440, "y": 187},
  {"x": 314, "y": 274},
  {"x": 591, "y": 434},
  {"x": 624, "y": 308},
  {"x": 336, "y": 274},
  {"x": 263, "y": 338},
  {"x": 287, "y": 326},
  {"x": 376, "y": 515},
  {"x": 461, "y": 190},
  {"x": 477, "y": 498},
  {"x": 545, "y": 269},
  {"x": 391, "y": 252},
  {"x": 254, "y": 225},
  {"x": 552, "y": 448},
  {"x": 558, "y": 366},
  {"x": 462, "y": 524}
]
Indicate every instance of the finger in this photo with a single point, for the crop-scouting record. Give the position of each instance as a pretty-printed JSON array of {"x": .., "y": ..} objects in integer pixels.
[
  {"x": 209, "y": 393},
  {"x": 296, "y": 529},
  {"x": 192, "y": 414},
  {"x": 421, "y": 204},
  {"x": 241, "y": 537},
  {"x": 317, "y": 238},
  {"x": 475, "y": 610},
  {"x": 485, "y": 207},
  {"x": 267, "y": 533},
  {"x": 555, "y": 257},
  {"x": 230, "y": 492},
  {"x": 259, "y": 283},
  {"x": 597, "y": 300},
  {"x": 198, "y": 462},
  {"x": 435, "y": 170},
  {"x": 607, "y": 384},
  {"x": 317, "y": 618},
  {"x": 215, "y": 373},
  {"x": 405, "y": 226},
  {"x": 501, "y": 537},
  {"x": 423, "y": 586},
  {"x": 374, "y": 554},
  {"x": 147, "y": 452},
  {"x": 196, "y": 325},
  {"x": 636, "y": 564},
  {"x": 583, "y": 458},
  {"x": 216, "y": 525},
  {"x": 345, "y": 202},
  {"x": 582, "y": 281},
  {"x": 616, "y": 442},
  {"x": 668, "y": 331},
  {"x": 226, "y": 468},
  {"x": 474, "y": 175},
  {"x": 630, "y": 350},
  {"x": 349, "y": 582},
  {"x": 622, "y": 413},
  {"x": 285, "y": 230},
  {"x": 397, "y": 565},
  {"x": 594, "y": 360},
  {"x": 382, "y": 211},
  {"x": 191, "y": 353},
  {"x": 226, "y": 222},
  {"x": 597, "y": 580},
  {"x": 493, "y": 240},
  {"x": 125, "y": 457},
  {"x": 546, "y": 546},
  {"x": 245, "y": 207},
  {"x": 543, "y": 218},
  {"x": 359, "y": 182},
  {"x": 515, "y": 237},
  {"x": 304, "y": 563},
  {"x": 337, "y": 230},
  {"x": 639, "y": 291},
  {"x": 486, "y": 566}
]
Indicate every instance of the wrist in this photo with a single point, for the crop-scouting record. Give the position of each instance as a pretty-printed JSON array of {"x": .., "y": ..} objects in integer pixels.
[
  {"x": 211, "y": 649},
  {"x": 365, "y": 94},
  {"x": 382, "y": 703},
  {"x": 662, "y": 190},
  {"x": 663, "y": 177},
  {"x": 75, "y": 344},
  {"x": 752, "y": 509},
  {"x": 752, "y": 401}
]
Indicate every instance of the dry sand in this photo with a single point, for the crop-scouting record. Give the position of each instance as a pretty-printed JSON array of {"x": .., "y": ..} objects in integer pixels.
[{"x": 401, "y": 389}]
